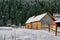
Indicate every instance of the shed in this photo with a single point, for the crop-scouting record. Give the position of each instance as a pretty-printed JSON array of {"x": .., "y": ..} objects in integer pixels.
[{"x": 40, "y": 21}]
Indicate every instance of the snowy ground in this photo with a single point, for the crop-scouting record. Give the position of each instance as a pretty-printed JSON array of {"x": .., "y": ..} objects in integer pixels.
[{"x": 26, "y": 34}]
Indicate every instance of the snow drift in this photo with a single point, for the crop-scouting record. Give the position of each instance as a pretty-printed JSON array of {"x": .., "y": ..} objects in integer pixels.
[{"x": 26, "y": 34}]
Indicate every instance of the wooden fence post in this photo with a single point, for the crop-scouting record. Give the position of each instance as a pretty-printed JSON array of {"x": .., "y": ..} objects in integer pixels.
[
  {"x": 31, "y": 25},
  {"x": 1, "y": 37},
  {"x": 4, "y": 37},
  {"x": 49, "y": 27},
  {"x": 56, "y": 31},
  {"x": 15, "y": 35},
  {"x": 12, "y": 37}
]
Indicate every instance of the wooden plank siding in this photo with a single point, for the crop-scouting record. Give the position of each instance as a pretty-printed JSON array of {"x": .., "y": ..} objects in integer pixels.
[
  {"x": 28, "y": 26},
  {"x": 45, "y": 21},
  {"x": 36, "y": 25}
]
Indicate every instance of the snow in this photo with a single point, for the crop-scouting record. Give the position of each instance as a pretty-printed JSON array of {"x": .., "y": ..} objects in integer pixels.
[
  {"x": 58, "y": 20},
  {"x": 5, "y": 28},
  {"x": 26, "y": 34},
  {"x": 56, "y": 14}
]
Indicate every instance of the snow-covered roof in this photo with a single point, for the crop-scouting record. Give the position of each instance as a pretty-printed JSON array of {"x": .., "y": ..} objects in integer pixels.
[
  {"x": 57, "y": 21},
  {"x": 13, "y": 25},
  {"x": 37, "y": 18},
  {"x": 56, "y": 14},
  {"x": 30, "y": 19}
]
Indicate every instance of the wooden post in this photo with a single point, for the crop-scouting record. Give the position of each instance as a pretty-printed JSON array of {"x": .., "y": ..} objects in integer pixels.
[
  {"x": 15, "y": 35},
  {"x": 56, "y": 31},
  {"x": 12, "y": 37},
  {"x": 49, "y": 27},
  {"x": 31, "y": 25},
  {"x": 4, "y": 37},
  {"x": 25, "y": 26}
]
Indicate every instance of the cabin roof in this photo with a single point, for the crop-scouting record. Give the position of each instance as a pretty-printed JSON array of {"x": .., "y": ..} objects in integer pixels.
[
  {"x": 39, "y": 17},
  {"x": 30, "y": 19},
  {"x": 36, "y": 18}
]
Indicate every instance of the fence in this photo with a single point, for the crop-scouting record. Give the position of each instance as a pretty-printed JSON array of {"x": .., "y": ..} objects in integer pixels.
[{"x": 8, "y": 35}]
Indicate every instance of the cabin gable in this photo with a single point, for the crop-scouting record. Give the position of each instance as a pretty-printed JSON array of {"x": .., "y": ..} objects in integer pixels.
[{"x": 46, "y": 20}]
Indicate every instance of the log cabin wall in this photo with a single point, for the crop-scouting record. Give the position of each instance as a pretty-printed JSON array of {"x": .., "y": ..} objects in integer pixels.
[
  {"x": 33, "y": 25},
  {"x": 28, "y": 26},
  {"x": 36, "y": 25}
]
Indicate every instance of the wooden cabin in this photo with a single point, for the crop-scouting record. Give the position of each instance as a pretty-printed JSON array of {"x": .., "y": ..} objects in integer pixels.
[{"x": 39, "y": 22}]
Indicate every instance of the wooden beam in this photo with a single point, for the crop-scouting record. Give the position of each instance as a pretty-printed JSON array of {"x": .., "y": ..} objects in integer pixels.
[
  {"x": 49, "y": 27},
  {"x": 56, "y": 31},
  {"x": 31, "y": 25}
]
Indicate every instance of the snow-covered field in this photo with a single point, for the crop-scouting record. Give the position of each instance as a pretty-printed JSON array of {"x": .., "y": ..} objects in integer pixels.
[{"x": 26, "y": 34}]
